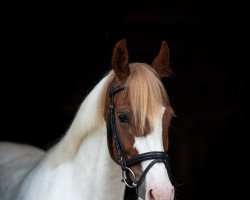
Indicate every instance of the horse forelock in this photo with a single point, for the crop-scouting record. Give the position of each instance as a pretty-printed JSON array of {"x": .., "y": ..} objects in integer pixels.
[{"x": 146, "y": 94}]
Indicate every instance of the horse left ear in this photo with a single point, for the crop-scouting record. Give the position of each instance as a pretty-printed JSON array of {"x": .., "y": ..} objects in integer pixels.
[
  {"x": 161, "y": 62},
  {"x": 120, "y": 60}
]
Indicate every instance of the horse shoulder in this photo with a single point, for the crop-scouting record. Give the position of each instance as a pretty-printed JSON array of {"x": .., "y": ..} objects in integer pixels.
[{"x": 16, "y": 161}]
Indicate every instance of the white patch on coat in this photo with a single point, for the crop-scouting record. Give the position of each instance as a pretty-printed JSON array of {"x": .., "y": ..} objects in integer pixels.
[
  {"x": 78, "y": 167},
  {"x": 157, "y": 178}
]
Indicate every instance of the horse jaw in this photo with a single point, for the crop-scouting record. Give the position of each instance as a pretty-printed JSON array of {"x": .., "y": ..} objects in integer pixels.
[{"x": 157, "y": 182}]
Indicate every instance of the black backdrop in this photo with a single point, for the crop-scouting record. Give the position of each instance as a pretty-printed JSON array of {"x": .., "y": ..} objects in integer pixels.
[{"x": 54, "y": 54}]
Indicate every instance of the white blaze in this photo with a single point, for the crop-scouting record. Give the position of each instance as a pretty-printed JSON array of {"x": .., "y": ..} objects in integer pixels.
[{"x": 157, "y": 178}]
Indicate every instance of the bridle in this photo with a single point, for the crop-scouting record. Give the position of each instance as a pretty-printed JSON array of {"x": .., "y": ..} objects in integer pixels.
[{"x": 113, "y": 140}]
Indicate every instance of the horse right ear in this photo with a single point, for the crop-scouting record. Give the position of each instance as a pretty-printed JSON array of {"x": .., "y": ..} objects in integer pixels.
[
  {"x": 120, "y": 60},
  {"x": 161, "y": 62}
]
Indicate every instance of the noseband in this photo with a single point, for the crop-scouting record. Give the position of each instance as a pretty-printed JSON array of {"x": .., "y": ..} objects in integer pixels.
[{"x": 126, "y": 164}]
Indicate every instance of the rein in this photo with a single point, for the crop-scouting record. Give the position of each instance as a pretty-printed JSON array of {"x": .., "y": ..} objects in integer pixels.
[{"x": 126, "y": 164}]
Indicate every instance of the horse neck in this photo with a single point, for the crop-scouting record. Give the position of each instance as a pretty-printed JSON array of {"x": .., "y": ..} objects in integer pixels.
[
  {"x": 87, "y": 119},
  {"x": 94, "y": 171},
  {"x": 91, "y": 174},
  {"x": 79, "y": 166}
]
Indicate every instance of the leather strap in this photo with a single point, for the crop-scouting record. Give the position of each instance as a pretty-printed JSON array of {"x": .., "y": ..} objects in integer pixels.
[
  {"x": 146, "y": 156},
  {"x": 113, "y": 137}
]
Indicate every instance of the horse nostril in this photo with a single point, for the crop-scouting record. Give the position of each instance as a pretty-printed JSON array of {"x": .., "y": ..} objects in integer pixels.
[
  {"x": 151, "y": 196},
  {"x": 154, "y": 195}
]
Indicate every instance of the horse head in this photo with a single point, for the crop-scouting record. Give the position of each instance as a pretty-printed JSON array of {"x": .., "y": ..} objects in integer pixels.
[{"x": 137, "y": 114}]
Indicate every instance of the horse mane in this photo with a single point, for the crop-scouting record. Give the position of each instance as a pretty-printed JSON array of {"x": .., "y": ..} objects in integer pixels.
[
  {"x": 89, "y": 116},
  {"x": 144, "y": 106}
]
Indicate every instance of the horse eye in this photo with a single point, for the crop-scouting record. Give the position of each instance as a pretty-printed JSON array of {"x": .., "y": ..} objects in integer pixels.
[{"x": 123, "y": 118}]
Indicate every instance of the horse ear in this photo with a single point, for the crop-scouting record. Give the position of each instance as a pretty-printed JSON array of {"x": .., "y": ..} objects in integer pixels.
[
  {"x": 120, "y": 60},
  {"x": 161, "y": 62}
]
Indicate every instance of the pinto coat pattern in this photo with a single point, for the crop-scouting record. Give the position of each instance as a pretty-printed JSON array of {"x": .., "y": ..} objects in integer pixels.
[{"x": 79, "y": 166}]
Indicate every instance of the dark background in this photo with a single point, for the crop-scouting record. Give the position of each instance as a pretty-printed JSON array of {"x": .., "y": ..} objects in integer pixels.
[{"x": 54, "y": 54}]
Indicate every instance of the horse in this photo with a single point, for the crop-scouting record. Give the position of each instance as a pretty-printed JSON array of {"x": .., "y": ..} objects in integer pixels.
[{"x": 120, "y": 132}]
